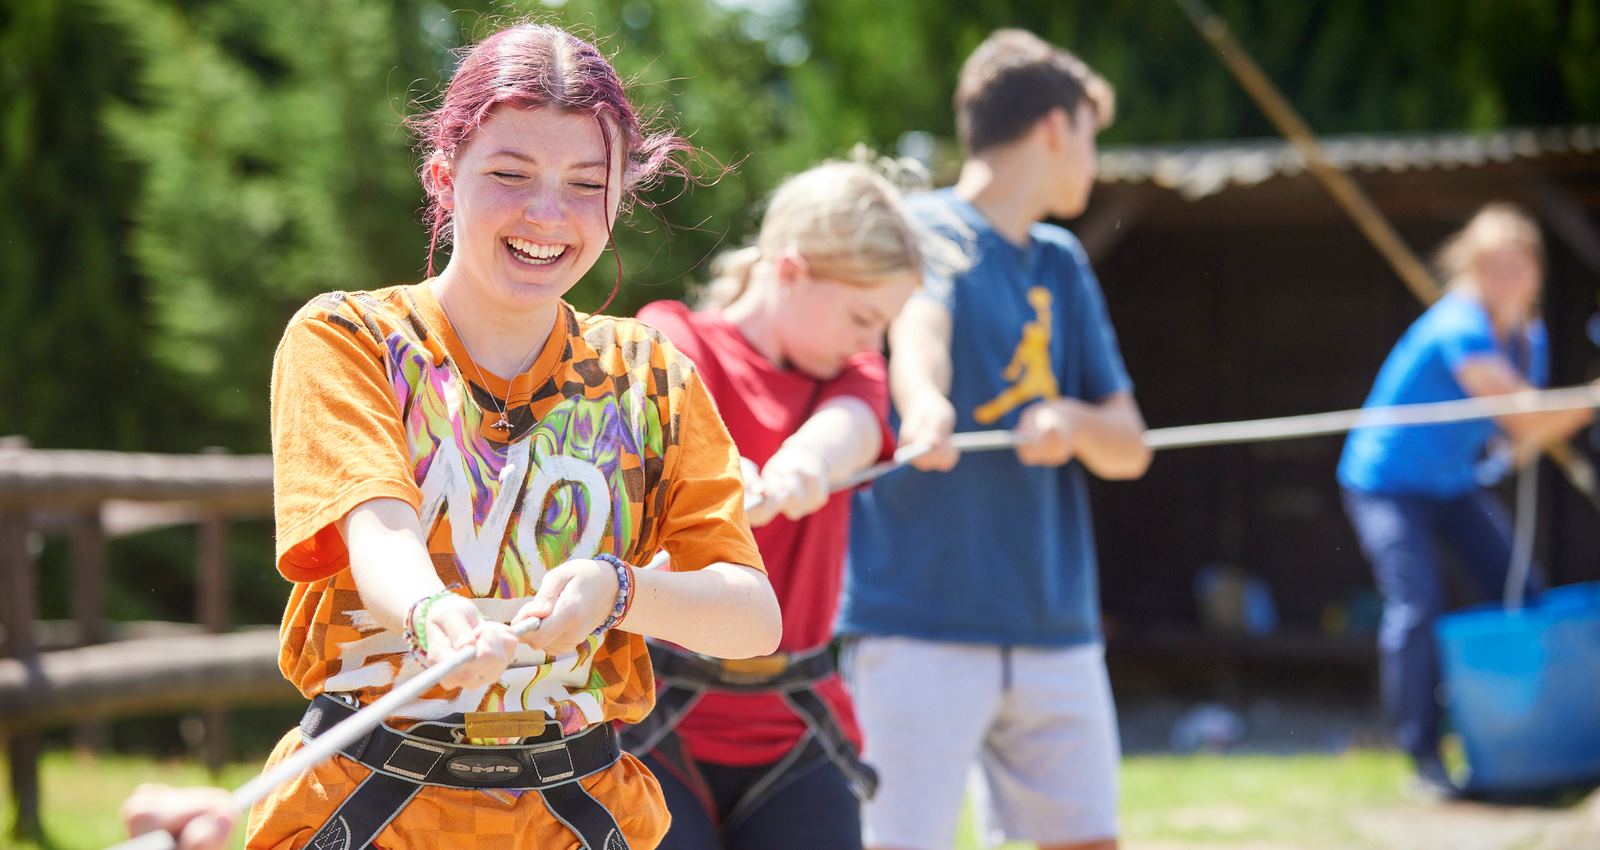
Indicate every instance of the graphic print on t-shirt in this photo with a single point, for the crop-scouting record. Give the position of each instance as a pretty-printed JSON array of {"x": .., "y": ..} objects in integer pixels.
[
  {"x": 510, "y": 513},
  {"x": 1030, "y": 372}
]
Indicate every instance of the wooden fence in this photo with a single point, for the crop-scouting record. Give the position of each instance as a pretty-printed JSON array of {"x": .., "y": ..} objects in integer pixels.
[{"x": 90, "y": 670}]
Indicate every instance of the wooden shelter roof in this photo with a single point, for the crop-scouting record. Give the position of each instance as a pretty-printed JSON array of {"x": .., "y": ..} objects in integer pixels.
[{"x": 1196, "y": 171}]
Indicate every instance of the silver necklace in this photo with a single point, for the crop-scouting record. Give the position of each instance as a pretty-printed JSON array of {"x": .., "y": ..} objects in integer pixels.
[{"x": 504, "y": 424}]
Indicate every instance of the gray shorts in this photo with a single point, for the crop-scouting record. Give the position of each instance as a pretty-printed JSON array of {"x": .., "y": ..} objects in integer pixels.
[{"x": 1033, "y": 729}]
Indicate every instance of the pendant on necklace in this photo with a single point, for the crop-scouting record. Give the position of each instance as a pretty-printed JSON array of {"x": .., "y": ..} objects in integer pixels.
[{"x": 503, "y": 424}]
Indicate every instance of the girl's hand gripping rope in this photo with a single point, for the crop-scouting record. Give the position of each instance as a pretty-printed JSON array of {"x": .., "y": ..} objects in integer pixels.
[
  {"x": 315, "y": 752},
  {"x": 453, "y": 624},
  {"x": 574, "y": 600},
  {"x": 794, "y": 483}
]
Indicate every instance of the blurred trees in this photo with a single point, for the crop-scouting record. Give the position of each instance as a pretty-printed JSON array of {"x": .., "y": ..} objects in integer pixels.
[
  {"x": 272, "y": 166},
  {"x": 72, "y": 318},
  {"x": 179, "y": 175}
]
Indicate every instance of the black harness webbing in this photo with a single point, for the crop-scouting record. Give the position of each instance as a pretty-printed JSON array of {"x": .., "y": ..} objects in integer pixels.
[
  {"x": 427, "y": 754},
  {"x": 685, "y": 678}
]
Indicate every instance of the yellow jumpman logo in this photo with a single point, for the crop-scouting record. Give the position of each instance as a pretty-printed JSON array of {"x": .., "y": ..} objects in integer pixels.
[{"x": 1030, "y": 370}]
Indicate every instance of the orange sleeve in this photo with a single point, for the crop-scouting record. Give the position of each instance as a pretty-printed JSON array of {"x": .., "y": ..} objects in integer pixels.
[
  {"x": 337, "y": 438},
  {"x": 704, "y": 520}
]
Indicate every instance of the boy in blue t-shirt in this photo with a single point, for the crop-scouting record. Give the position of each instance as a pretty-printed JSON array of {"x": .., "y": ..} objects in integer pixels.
[{"x": 971, "y": 597}]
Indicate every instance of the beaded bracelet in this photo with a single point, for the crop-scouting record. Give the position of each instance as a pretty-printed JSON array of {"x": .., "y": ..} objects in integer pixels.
[
  {"x": 417, "y": 636},
  {"x": 625, "y": 581}
]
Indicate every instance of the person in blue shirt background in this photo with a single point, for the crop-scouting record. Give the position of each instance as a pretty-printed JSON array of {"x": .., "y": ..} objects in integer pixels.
[
  {"x": 971, "y": 606},
  {"x": 1405, "y": 488}
]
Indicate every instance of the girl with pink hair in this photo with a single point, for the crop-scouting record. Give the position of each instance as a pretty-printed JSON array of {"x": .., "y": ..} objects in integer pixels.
[{"x": 469, "y": 452}]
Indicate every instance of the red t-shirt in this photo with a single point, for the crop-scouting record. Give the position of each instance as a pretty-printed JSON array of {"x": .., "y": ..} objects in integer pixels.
[{"x": 762, "y": 405}]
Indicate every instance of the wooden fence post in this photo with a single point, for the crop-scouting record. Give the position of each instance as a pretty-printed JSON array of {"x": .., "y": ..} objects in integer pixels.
[
  {"x": 88, "y": 577},
  {"x": 213, "y": 616},
  {"x": 88, "y": 607},
  {"x": 19, "y": 601}
]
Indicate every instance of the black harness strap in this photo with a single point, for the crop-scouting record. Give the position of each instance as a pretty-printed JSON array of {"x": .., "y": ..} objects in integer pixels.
[
  {"x": 825, "y": 727},
  {"x": 673, "y": 703},
  {"x": 805, "y": 753},
  {"x": 584, "y": 815},
  {"x": 686, "y": 678},
  {"x": 402, "y": 763},
  {"x": 364, "y": 814},
  {"x": 671, "y": 756}
]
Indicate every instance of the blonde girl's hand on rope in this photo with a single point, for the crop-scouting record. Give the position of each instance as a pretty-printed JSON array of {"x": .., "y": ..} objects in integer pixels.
[
  {"x": 453, "y": 623},
  {"x": 1045, "y": 433},
  {"x": 794, "y": 483},
  {"x": 930, "y": 422},
  {"x": 573, "y": 601},
  {"x": 758, "y": 509},
  {"x": 202, "y": 818}
]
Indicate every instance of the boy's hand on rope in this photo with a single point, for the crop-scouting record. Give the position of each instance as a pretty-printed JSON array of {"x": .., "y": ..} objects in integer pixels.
[
  {"x": 201, "y": 818},
  {"x": 454, "y": 624},
  {"x": 1045, "y": 433},
  {"x": 573, "y": 600},
  {"x": 794, "y": 483},
  {"x": 930, "y": 422}
]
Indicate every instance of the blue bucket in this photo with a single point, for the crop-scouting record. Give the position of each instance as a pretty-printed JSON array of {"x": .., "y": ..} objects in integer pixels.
[{"x": 1524, "y": 690}]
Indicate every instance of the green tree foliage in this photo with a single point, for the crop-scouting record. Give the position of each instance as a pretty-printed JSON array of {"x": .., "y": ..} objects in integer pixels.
[
  {"x": 178, "y": 176},
  {"x": 70, "y": 302},
  {"x": 259, "y": 156},
  {"x": 1356, "y": 66},
  {"x": 272, "y": 166}
]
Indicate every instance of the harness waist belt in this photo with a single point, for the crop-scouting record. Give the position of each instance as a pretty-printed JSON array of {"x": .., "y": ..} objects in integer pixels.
[
  {"x": 428, "y": 754},
  {"x": 764, "y": 675}
]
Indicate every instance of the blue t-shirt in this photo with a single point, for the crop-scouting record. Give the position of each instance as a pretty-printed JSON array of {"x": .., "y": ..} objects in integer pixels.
[
  {"x": 1437, "y": 461},
  {"x": 993, "y": 551}
]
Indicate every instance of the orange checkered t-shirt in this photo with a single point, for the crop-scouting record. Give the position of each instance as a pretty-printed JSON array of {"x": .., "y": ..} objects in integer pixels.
[{"x": 615, "y": 447}]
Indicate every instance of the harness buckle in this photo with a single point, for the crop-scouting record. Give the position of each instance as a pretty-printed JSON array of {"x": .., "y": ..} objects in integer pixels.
[
  {"x": 505, "y": 724},
  {"x": 749, "y": 670}
]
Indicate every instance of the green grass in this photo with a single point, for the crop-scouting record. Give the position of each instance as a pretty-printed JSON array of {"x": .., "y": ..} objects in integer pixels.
[
  {"x": 82, "y": 794},
  {"x": 1304, "y": 800},
  {"x": 1168, "y": 801},
  {"x": 1212, "y": 801}
]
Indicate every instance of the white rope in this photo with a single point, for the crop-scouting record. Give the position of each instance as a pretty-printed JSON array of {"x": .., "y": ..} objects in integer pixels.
[
  {"x": 970, "y": 441},
  {"x": 1522, "y": 536},
  {"x": 1290, "y": 427},
  {"x": 1264, "y": 430},
  {"x": 324, "y": 746},
  {"x": 1183, "y": 436},
  {"x": 1339, "y": 421}
]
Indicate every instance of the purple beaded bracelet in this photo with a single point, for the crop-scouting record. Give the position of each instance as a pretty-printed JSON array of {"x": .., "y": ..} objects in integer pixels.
[{"x": 625, "y": 581}]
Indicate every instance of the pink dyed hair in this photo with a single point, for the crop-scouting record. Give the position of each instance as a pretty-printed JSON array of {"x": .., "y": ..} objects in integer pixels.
[{"x": 534, "y": 66}]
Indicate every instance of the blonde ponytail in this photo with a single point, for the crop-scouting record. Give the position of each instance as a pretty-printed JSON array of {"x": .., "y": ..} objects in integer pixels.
[
  {"x": 847, "y": 221},
  {"x": 730, "y": 277}
]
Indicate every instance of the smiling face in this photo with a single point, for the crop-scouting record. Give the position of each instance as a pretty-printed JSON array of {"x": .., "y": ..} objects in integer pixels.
[
  {"x": 826, "y": 322},
  {"x": 527, "y": 197}
]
